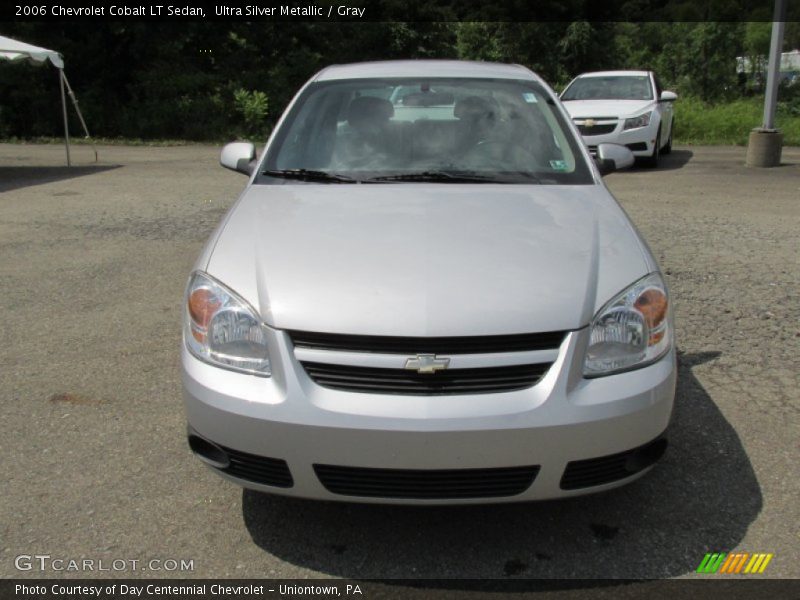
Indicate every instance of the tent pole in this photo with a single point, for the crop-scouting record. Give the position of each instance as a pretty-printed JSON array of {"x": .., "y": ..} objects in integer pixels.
[
  {"x": 72, "y": 97},
  {"x": 64, "y": 111}
]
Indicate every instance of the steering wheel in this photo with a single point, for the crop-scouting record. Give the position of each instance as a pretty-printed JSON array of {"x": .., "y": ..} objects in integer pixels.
[{"x": 486, "y": 149}]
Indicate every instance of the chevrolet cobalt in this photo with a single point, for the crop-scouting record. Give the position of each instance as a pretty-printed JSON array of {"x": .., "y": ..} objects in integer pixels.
[{"x": 426, "y": 294}]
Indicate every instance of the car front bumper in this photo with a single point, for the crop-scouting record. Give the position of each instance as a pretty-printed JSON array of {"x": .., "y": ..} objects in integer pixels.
[
  {"x": 562, "y": 419},
  {"x": 640, "y": 141}
]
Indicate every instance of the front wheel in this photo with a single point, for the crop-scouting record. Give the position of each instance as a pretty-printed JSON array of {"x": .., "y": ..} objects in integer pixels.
[
  {"x": 668, "y": 148},
  {"x": 652, "y": 160}
]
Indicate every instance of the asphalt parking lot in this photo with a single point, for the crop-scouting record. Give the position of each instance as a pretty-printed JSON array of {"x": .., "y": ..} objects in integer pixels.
[{"x": 95, "y": 463}]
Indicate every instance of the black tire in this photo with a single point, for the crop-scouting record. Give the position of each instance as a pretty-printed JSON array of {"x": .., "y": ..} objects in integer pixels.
[
  {"x": 668, "y": 148},
  {"x": 652, "y": 160}
]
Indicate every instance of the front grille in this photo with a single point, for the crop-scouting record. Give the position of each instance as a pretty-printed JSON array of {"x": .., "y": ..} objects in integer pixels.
[
  {"x": 258, "y": 469},
  {"x": 606, "y": 469},
  {"x": 426, "y": 484},
  {"x": 597, "y": 129},
  {"x": 402, "y": 381},
  {"x": 428, "y": 345}
]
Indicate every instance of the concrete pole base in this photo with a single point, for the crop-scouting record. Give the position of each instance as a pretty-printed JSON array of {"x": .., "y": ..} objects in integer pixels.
[{"x": 764, "y": 148}]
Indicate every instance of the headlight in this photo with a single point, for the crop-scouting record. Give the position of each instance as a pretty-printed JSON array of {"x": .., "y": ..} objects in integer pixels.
[
  {"x": 222, "y": 329},
  {"x": 631, "y": 331},
  {"x": 636, "y": 122}
]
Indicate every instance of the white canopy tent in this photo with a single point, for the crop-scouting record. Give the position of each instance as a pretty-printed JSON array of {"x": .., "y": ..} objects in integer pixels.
[{"x": 15, "y": 50}]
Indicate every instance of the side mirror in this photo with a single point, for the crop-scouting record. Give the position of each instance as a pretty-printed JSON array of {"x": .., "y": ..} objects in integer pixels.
[
  {"x": 668, "y": 96},
  {"x": 613, "y": 157},
  {"x": 239, "y": 157}
]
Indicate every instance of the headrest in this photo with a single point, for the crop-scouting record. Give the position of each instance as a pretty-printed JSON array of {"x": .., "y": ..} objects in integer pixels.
[{"x": 368, "y": 110}]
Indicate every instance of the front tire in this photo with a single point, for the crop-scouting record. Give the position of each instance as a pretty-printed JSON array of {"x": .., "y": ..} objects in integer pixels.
[
  {"x": 668, "y": 148},
  {"x": 652, "y": 160}
]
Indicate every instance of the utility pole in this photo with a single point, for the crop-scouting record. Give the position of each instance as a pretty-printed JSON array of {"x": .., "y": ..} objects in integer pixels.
[{"x": 764, "y": 146}]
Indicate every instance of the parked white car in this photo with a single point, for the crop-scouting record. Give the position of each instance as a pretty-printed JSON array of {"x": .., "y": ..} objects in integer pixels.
[{"x": 622, "y": 107}]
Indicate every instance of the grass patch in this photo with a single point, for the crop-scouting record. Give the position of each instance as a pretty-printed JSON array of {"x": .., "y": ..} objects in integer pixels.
[{"x": 699, "y": 123}]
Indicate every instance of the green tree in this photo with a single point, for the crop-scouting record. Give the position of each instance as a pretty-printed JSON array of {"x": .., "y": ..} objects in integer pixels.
[{"x": 534, "y": 45}]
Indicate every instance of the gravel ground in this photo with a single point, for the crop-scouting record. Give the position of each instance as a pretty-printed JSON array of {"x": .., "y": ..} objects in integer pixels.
[{"x": 95, "y": 465}]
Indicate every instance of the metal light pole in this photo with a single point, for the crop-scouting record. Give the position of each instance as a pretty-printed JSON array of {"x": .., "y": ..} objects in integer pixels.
[{"x": 764, "y": 147}]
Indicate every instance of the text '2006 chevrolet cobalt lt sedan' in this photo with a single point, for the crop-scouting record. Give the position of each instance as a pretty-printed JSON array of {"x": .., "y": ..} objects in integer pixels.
[{"x": 426, "y": 294}]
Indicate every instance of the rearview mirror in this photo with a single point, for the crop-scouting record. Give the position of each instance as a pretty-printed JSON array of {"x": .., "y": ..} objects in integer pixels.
[
  {"x": 239, "y": 157},
  {"x": 613, "y": 157},
  {"x": 668, "y": 96}
]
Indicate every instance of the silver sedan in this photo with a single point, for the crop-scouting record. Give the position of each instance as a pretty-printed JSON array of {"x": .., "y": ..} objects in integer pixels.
[{"x": 426, "y": 294}]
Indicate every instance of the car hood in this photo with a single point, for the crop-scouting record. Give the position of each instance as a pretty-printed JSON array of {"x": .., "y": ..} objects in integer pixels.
[
  {"x": 427, "y": 259},
  {"x": 607, "y": 108}
]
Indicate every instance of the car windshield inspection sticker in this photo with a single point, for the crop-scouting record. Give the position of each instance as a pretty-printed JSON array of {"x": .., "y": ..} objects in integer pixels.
[{"x": 558, "y": 165}]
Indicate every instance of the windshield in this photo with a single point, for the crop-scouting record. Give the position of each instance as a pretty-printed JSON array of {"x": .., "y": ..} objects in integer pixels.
[
  {"x": 439, "y": 130},
  {"x": 617, "y": 87}
]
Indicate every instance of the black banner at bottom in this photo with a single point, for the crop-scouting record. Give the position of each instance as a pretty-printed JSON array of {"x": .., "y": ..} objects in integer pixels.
[{"x": 733, "y": 588}]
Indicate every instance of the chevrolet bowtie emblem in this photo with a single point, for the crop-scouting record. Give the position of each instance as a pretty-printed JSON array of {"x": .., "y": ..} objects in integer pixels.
[
  {"x": 427, "y": 363},
  {"x": 589, "y": 123}
]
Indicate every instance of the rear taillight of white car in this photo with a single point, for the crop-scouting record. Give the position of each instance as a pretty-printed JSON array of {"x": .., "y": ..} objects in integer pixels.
[
  {"x": 222, "y": 329},
  {"x": 631, "y": 331}
]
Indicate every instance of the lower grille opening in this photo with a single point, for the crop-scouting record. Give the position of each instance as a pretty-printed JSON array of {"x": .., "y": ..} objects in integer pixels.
[
  {"x": 597, "y": 129},
  {"x": 258, "y": 469},
  {"x": 606, "y": 469},
  {"x": 401, "y": 381},
  {"x": 637, "y": 146},
  {"x": 426, "y": 484}
]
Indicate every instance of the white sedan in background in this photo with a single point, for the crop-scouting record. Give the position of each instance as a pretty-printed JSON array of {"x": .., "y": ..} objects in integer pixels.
[{"x": 622, "y": 107}]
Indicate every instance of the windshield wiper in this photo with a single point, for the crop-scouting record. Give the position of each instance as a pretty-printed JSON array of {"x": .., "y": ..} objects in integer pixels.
[
  {"x": 308, "y": 175},
  {"x": 445, "y": 176},
  {"x": 457, "y": 177}
]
